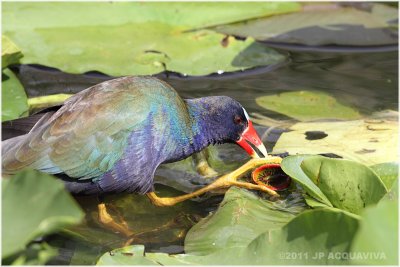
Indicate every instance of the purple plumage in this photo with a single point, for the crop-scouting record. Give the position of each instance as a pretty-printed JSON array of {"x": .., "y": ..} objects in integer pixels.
[{"x": 111, "y": 137}]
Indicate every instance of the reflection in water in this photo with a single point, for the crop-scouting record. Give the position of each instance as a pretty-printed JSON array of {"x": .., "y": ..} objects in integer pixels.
[{"x": 367, "y": 82}]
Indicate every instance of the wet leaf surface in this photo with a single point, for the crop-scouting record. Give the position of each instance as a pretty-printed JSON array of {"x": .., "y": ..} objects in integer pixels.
[
  {"x": 369, "y": 141},
  {"x": 318, "y": 231},
  {"x": 241, "y": 217},
  {"x": 10, "y": 53},
  {"x": 185, "y": 15},
  {"x": 378, "y": 237},
  {"x": 338, "y": 183},
  {"x": 348, "y": 185},
  {"x": 307, "y": 105},
  {"x": 292, "y": 166},
  {"x": 342, "y": 26},
  {"x": 388, "y": 172},
  {"x": 87, "y": 48},
  {"x": 13, "y": 97},
  {"x": 53, "y": 209},
  {"x": 141, "y": 41}
]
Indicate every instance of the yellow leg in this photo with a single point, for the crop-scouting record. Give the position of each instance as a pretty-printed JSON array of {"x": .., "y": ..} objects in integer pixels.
[
  {"x": 202, "y": 166},
  {"x": 106, "y": 219},
  {"x": 224, "y": 181}
]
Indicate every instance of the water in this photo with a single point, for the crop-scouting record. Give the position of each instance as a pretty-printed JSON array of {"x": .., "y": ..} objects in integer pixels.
[{"x": 366, "y": 82}]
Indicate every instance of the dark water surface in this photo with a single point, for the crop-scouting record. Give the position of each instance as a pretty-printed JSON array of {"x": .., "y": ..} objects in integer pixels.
[{"x": 368, "y": 82}]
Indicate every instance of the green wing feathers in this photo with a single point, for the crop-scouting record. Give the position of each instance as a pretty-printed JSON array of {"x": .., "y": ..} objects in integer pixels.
[{"x": 88, "y": 134}]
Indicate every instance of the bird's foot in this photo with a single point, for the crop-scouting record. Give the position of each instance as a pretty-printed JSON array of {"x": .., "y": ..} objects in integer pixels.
[
  {"x": 224, "y": 181},
  {"x": 202, "y": 165},
  {"x": 205, "y": 170},
  {"x": 108, "y": 221}
]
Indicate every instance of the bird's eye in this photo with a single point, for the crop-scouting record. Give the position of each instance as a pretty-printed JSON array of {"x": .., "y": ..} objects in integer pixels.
[{"x": 238, "y": 120}]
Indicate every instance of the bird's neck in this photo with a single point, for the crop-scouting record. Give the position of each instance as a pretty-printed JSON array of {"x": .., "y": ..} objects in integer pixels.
[{"x": 202, "y": 132}]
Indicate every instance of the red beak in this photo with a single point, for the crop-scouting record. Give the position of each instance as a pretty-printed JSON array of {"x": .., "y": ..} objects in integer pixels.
[{"x": 250, "y": 135}]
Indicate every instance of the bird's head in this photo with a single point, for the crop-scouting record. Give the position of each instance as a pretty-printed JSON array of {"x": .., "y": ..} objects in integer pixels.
[{"x": 227, "y": 121}]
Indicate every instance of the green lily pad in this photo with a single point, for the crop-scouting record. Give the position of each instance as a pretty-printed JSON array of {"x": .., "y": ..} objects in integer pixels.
[
  {"x": 369, "y": 141},
  {"x": 322, "y": 26},
  {"x": 388, "y": 172},
  {"x": 376, "y": 242},
  {"x": 393, "y": 193},
  {"x": 292, "y": 166},
  {"x": 348, "y": 185},
  {"x": 307, "y": 105},
  {"x": 145, "y": 48},
  {"x": 33, "y": 205},
  {"x": 10, "y": 53},
  {"x": 14, "y": 103},
  {"x": 125, "y": 256},
  {"x": 189, "y": 15},
  {"x": 387, "y": 13},
  {"x": 313, "y": 237},
  {"x": 241, "y": 217},
  {"x": 136, "y": 38}
]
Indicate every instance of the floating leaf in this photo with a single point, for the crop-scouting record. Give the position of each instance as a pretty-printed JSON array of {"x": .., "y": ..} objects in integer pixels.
[
  {"x": 241, "y": 217},
  {"x": 31, "y": 15},
  {"x": 376, "y": 242},
  {"x": 388, "y": 172},
  {"x": 393, "y": 193},
  {"x": 13, "y": 97},
  {"x": 387, "y": 13},
  {"x": 130, "y": 49},
  {"x": 10, "y": 53},
  {"x": 313, "y": 237},
  {"x": 34, "y": 204},
  {"x": 292, "y": 166},
  {"x": 137, "y": 38},
  {"x": 366, "y": 141},
  {"x": 307, "y": 105},
  {"x": 337, "y": 26},
  {"x": 348, "y": 185},
  {"x": 131, "y": 255}
]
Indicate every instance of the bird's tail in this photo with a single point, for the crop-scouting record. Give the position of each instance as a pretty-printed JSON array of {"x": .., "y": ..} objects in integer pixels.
[
  {"x": 18, "y": 127},
  {"x": 14, "y": 147}
]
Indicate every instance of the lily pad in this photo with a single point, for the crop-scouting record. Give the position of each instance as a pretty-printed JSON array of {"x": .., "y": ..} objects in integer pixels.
[
  {"x": 313, "y": 237},
  {"x": 307, "y": 105},
  {"x": 369, "y": 141},
  {"x": 145, "y": 48},
  {"x": 393, "y": 193},
  {"x": 292, "y": 166},
  {"x": 385, "y": 12},
  {"x": 10, "y": 53},
  {"x": 388, "y": 172},
  {"x": 343, "y": 26},
  {"x": 348, "y": 185},
  {"x": 31, "y": 15},
  {"x": 241, "y": 217},
  {"x": 33, "y": 205},
  {"x": 136, "y": 38},
  {"x": 377, "y": 241},
  {"x": 130, "y": 255},
  {"x": 14, "y": 103}
]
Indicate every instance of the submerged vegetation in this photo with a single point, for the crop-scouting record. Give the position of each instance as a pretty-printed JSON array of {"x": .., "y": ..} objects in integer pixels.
[{"x": 341, "y": 210}]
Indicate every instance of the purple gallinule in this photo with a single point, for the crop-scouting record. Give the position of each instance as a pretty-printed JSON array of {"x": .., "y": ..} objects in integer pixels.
[{"x": 111, "y": 137}]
